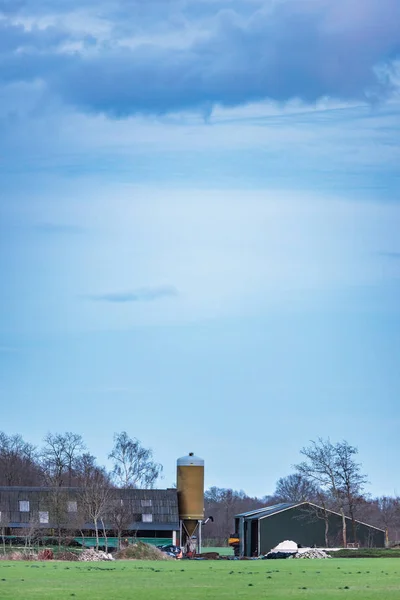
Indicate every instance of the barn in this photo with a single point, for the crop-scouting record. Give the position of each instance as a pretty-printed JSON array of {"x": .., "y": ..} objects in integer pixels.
[
  {"x": 151, "y": 515},
  {"x": 305, "y": 523}
]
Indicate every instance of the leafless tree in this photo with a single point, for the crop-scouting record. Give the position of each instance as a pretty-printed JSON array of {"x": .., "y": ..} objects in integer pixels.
[
  {"x": 223, "y": 504},
  {"x": 31, "y": 532},
  {"x": 57, "y": 504},
  {"x": 133, "y": 464},
  {"x": 333, "y": 469},
  {"x": 84, "y": 466},
  {"x": 60, "y": 455},
  {"x": 295, "y": 488},
  {"x": 351, "y": 480},
  {"x": 389, "y": 514},
  {"x": 3, "y": 538},
  {"x": 95, "y": 497},
  {"x": 119, "y": 515},
  {"x": 18, "y": 461},
  {"x": 3, "y": 524},
  {"x": 319, "y": 511}
]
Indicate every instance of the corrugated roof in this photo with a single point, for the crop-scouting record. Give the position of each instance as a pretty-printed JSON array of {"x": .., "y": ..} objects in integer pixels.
[
  {"x": 267, "y": 511},
  {"x": 161, "y": 504}
]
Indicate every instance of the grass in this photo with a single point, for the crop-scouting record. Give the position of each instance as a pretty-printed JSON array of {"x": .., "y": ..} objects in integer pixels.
[
  {"x": 359, "y": 579},
  {"x": 368, "y": 553}
]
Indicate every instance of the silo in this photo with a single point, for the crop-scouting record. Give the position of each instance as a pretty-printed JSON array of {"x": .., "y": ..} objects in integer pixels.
[{"x": 190, "y": 487}]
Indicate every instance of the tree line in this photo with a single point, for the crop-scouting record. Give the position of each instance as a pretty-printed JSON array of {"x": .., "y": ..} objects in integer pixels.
[
  {"x": 64, "y": 460},
  {"x": 329, "y": 476}
]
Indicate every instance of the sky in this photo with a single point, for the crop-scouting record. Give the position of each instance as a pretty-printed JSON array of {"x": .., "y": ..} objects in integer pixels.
[{"x": 199, "y": 229}]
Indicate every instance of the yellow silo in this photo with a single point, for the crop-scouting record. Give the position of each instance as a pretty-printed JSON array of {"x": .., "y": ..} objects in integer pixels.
[{"x": 190, "y": 487}]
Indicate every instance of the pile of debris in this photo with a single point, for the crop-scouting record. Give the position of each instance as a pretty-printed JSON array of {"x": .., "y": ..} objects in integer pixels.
[
  {"x": 289, "y": 549},
  {"x": 286, "y": 549},
  {"x": 142, "y": 551},
  {"x": 92, "y": 555}
]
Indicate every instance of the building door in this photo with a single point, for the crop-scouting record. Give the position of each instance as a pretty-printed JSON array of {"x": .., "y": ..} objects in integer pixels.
[{"x": 254, "y": 538}]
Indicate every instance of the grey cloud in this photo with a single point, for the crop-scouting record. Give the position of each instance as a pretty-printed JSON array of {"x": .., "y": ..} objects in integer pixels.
[
  {"x": 287, "y": 49},
  {"x": 16, "y": 37},
  {"x": 10, "y": 7},
  {"x": 146, "y": 294}
]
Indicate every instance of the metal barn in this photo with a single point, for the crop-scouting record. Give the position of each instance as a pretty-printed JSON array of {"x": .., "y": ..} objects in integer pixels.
[{"x": 305, "y": 523}]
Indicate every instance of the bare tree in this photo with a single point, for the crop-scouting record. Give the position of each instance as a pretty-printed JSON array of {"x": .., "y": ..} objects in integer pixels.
[
  {"x": 95, "y": 497},
  {"x": 73, "y": 448},
  {"x": 389, "y": 514},
  {"x": 57, "y": 504},
  {"x": 295, "y": 488},
  {"x": 3, "y": 538},
  {"x": 31, "y": 532},
  {"x": 133, "y": 464},
  {"x": 223, "y": 504},
  {"x": 18, "y": 461},
  {"x": 84, "y": 467},
  {"x": 319, "y": 511},
  {"x": 60, "y": 455},
  {"x": 119, "y": 516},
  {"x": 351, "y": 480},
  {"x": 3, "y": 525},
  {"x": 333, "y": 469}
]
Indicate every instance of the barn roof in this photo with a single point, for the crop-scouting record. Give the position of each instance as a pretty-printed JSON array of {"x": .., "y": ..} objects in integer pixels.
[
  {"x": 161, "y": 504},
  {"x": 267, "y": 511}
]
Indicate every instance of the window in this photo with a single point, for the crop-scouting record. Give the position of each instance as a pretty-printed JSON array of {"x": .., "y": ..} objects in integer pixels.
[
  {"x": 24, "y": 505},
  {"x": 146, "y": 503},
  {"x": 72, "y": 506},
  {"x": 147, "y": 518},
  {"x": 43, "y": 517}
]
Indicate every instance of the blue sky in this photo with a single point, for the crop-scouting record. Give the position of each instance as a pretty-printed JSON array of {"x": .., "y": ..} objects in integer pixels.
[{"x": 199, "y": 229}]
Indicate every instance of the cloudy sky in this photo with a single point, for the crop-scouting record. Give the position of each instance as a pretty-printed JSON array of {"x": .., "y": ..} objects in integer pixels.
[{"x": 199, "y": 228}]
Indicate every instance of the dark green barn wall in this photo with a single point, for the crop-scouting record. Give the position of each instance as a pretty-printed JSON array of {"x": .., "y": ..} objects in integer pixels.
[{"x": 302, "y": 526}]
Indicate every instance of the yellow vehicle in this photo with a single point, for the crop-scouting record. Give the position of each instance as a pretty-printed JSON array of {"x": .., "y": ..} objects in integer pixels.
[{"x": 234, "y": 542}]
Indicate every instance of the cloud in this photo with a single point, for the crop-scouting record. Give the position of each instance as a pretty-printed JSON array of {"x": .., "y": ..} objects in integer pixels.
[
  {"x": 281, "y": 50},
  {"x": 8, "y": 7},
  {"x": 17, "y": 38},
  {"x": 146, "y": 294}
]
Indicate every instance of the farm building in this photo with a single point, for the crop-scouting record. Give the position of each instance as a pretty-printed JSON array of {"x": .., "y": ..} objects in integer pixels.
[
  {"x": 156, "y": 516},
  {"x": 305, "y": 523},
  {"x": 150, "y": 514}
]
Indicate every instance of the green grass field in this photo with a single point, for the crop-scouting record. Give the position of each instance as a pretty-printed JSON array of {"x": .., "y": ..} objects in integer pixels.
[{"x": 361, "y": 579}]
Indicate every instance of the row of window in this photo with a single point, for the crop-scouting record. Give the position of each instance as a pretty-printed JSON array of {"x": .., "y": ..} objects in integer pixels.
[
  {"x": 72, "y": 505},
  {"x": 24, "y": 506}
]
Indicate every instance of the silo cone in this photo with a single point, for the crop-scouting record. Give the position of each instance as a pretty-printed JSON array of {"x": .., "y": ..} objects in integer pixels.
[{"x": 190, "y": 487}]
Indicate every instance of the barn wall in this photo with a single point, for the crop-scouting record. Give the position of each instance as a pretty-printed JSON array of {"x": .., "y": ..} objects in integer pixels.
[
  {"x": 302, "y": 526},
  {"x": 290, "y": 525}
]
